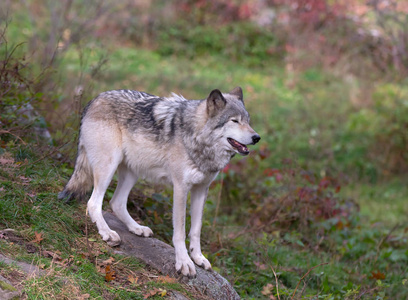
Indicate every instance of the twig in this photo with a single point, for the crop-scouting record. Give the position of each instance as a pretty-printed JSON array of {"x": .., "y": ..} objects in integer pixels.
[
  {"x": 49, "y": 153},
  {"x": 265, "y": 249},
  {"x": 6, "y": 131},
  {"x": 120, "y": 260},
  {"x": 303, "y": 277},
  {"x": 276, "y": 280},
  {"x": 384, "y": 239}
]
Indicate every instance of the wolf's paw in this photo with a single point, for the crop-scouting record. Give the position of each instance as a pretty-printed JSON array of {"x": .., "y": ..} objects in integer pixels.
[
  {"x": 200, "y": 260},
  {"x": 186, "y": 267},
  {"x": 141, "y": 230},
  {"x": 110, "y": 237}
]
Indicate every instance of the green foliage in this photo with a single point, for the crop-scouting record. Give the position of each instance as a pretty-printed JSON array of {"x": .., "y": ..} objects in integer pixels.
[
  {"x": 297, "y": 220},
  {"x": 390, "y": 131},
  {"x": 378, "y": 133},
  {"x": 253, "y": 260},
  {"x": 16, "y": 94},
  {"x": 244, "y": 43}
]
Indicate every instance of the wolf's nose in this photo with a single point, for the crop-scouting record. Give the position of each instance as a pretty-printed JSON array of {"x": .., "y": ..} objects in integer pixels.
[{"x": 255, "y": 138}]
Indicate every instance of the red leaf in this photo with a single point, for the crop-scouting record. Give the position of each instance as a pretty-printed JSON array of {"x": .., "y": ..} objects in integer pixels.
[
  {"x": 38, "y": 237},
  {"x": 337, "y": 188},
  {"x": 377, "y": 275},
  {"x": 324, "y": 183},
  {"x": 110, "y": 273}
]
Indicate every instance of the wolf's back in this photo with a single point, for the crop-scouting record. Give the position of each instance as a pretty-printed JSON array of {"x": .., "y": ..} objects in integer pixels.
[{"x": 126, "y": 109}]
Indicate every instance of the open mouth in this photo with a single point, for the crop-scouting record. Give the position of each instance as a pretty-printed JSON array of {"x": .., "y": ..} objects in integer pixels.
[{"x": 242, "y": 149}]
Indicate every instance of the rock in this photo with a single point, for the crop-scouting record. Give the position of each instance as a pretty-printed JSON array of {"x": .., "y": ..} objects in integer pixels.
[
  {"x": 174, "y": 295},
  {"x": 7, "y": 290},
  {"x": 161, "y": 257},
  {"x": 25, "y": 267},
  {"x": 28, "y": 116}
]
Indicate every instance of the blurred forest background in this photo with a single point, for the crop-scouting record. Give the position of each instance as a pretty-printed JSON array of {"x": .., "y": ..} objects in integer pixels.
[{"x": 317, "y": 211}]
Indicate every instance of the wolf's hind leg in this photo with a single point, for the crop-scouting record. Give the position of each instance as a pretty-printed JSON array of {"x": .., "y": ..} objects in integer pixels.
[
  {"x": 126, "y": 180},
  {"x": 103, "y": 174}
]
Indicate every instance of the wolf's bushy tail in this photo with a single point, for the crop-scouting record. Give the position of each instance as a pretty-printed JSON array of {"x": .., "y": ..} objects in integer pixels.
[{"x": 81, "y": 180}]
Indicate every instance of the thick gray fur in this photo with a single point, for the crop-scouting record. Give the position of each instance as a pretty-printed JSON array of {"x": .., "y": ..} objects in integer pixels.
[{"x": 163, "y": 139}]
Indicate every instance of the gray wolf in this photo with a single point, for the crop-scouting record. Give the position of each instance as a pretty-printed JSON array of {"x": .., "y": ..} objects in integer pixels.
[{"x": 168, "y": 140}]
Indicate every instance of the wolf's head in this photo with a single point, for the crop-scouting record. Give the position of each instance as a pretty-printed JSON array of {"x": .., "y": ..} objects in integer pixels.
[{"x": 228, "y": 116}]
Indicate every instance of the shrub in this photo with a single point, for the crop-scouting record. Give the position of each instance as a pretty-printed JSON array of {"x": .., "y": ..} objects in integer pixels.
[
  {"x": 17, "y": 115},
  {"x": 285, "y": 199},
  {"x": 244, "y": 42},
  {"x": 390, "y": 113}
]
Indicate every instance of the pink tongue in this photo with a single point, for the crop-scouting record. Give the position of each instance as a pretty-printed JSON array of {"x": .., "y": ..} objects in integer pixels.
[{"x": 240, "y": 147}]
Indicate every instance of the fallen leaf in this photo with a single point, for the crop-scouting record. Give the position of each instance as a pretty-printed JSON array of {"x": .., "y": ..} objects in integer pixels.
[
  {"x": 162, "y": 292},
  {"x": 260, "y": 266},
  {"x": 110, "y": 273},
  {"x": 6, "y": 161},
  {"x": 98, "y": 252},
  {"x": 100, "y": 269},
  {"x": 267, "y": 289},
  {"x": 156, "y": 291},
  {"x": 84, "y": 297},
  {"x": 132, "y": 279},
  {"x": 1, "y": 189},
  {"x": 25, "y": 180},
  {"x": 166, "y": 279},
  {"x": 109, "y": 261},
  {"x": 377, "y": 275},
  {"x": 38, "y": 237},
  {"x": 149, "y": 294}
]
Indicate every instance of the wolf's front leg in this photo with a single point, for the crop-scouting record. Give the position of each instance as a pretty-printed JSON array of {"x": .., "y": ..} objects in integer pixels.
[
  {"x": 198, "y": 197},
  {"x": 183, "y": 262}
]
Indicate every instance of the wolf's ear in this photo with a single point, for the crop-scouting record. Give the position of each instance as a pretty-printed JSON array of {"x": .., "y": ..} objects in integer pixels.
[
  {"x": 215, "y": 102},
  {"x": 237, "y": 92}
]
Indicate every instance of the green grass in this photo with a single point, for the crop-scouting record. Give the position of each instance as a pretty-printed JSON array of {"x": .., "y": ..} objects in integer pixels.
[
  {"x": 30, "y": 207},
  {"x": 343, "y": 258},
  {"x": 355, "y": 256},
  {"x": 383, "y": 202},
  {"x": 251, "y": 260}
]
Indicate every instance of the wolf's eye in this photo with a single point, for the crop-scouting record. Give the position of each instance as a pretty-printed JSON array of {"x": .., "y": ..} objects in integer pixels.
[{"x": 234, "y": 120}]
